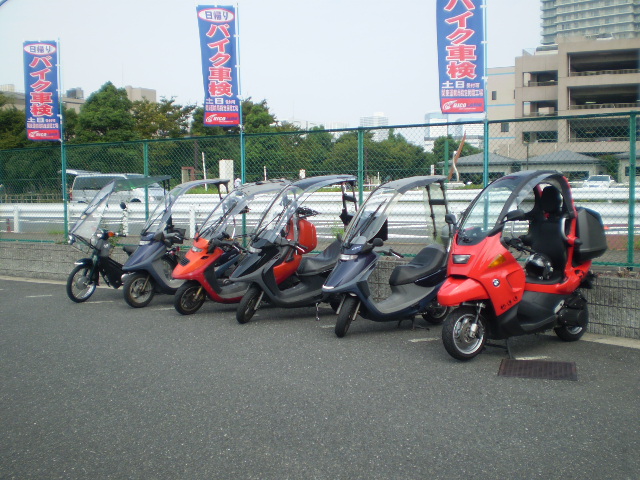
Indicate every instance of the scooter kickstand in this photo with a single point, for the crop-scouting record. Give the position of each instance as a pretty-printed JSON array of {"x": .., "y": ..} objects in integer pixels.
[{"x": 318, "y": 312}]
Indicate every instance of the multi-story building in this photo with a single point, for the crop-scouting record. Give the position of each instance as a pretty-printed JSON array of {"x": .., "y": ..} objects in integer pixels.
[
  {"x": 378, "y": 119},
  {"x": 581, "y": 77},
  {"x": 589, "y": 18}
]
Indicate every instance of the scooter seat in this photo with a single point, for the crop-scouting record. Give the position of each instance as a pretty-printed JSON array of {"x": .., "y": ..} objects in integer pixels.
[
  {"x": 323, "y": 261},
  {"x": 427, "y": 261}
]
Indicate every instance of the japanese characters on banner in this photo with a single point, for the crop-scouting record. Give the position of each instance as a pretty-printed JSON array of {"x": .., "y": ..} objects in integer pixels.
[
  {"x": 217, "y": 27},
  {"x": 41, "y": 90},
  {"x": 461, "y": 56}
]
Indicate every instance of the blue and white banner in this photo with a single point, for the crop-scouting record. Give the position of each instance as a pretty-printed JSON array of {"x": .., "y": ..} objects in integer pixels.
[
  {"x": 217, "y": 27},
  {"x": 42, "y": 105},
  {"x": 461, "y": 56}
]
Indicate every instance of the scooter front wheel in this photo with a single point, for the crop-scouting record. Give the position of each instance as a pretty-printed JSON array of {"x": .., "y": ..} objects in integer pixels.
[
  {"x": 138, "y": 290},
  {"x": 462, "y": 335},
  {"x": 79, "y": 286},
  {"x": 347, "y": 313},
  {"x": 189, "y": 298},
  {"x": 249, "y": 304}
]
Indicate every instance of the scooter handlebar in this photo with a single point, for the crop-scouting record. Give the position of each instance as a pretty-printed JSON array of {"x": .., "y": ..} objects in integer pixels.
[{"x": 390, "y": 252}]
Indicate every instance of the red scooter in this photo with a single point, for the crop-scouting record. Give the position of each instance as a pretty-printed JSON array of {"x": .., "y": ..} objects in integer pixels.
[
  {"x": 216, "y": 251},
  {"x": 496, "y": 296}
]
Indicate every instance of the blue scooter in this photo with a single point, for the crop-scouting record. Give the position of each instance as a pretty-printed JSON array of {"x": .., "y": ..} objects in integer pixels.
[
  {"x": 414, "y": 286},
  {"x": 148, "y": 270}
]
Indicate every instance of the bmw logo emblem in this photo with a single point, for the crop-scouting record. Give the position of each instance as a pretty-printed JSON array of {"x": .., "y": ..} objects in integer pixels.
[{"x": 496, "y": 282}]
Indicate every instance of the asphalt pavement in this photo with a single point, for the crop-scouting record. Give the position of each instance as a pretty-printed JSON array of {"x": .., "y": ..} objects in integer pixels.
[{"x": 101, "y": 390}]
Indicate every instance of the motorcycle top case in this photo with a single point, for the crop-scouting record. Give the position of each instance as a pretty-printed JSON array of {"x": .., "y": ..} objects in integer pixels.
[{"x": 590, "y": 231}]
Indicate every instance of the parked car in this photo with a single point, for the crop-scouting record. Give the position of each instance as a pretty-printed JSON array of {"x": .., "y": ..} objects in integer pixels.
[
  {"x": 598, "y": 181},
  {"x": 87, "y": 184}
]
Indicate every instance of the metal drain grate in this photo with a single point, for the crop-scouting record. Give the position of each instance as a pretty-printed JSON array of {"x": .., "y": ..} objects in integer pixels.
[{"x": 538, "y": 369}]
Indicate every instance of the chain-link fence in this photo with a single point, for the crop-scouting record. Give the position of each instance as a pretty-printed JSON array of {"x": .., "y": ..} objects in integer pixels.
[{"x": 597, "y": 153}]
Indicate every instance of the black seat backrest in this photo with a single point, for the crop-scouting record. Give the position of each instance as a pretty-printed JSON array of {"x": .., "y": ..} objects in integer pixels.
[
  {"x": 545, "y": 235},
  {"x": 428, "y": 260}
]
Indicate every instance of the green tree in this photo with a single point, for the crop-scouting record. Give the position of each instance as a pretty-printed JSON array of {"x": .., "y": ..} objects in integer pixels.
[
  {"x": 13, "y": 133},
  {"x": 164, "y": 119},
  {"x": 106, "y": 117}
]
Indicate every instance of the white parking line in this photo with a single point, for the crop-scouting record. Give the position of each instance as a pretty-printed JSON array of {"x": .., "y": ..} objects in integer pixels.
[
  {"x": 417, "y": 340},
  {"x": 38, "y": 296}
]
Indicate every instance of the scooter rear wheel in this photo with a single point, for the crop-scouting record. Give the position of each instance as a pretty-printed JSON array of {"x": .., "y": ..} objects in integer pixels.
[
  {"x": 436, "y": 313},
  {"x": 189, "y": 298},
  {"x": 345, "y": 317},
  {"x": 572, "y": 334},
  {"x": 79, "y": 286},
  {"x": 249, "y": 304},
  {"x": 138, "y": 290},
  {"x": 461, "y": 339}
]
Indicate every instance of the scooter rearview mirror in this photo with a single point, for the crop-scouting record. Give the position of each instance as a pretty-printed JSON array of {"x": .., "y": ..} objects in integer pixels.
[
  {"x": 123, "y": 205},
  {"x": 450, "y": 218},
  {"x": 377, "y": 242}
]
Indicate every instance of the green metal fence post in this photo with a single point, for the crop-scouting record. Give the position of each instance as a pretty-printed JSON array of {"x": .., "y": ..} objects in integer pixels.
[
  {"x": 360, "y": 165},
  {"x": 65, "y": 203},
  {"x": 485, "y": 161},
  {"x": 145, "y": 154},
  {"x": 632, "y": 187},
  {"x": 446, "y": 154}
]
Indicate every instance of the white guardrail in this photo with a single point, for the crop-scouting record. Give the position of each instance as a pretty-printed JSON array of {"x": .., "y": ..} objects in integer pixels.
[{"x": 611, "y": 203}]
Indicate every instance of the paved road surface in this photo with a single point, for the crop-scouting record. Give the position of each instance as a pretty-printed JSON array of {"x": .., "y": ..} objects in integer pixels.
[{"x": 101, "y": 390}]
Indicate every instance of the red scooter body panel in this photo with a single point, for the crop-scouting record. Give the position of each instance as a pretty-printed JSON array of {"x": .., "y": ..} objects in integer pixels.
[
  {"x": 308, "y": 240},
  {"x": 199, "y": 262},
  {"x": 491, "y": 273}
]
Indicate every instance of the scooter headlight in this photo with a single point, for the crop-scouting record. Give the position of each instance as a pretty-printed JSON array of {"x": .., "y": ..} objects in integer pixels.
[
  {"x": 346, "y": 257},
  {"x": 197, "y": 250},
  {"x": 461, "y": 259},
  {"x": 251, "y": 249}
]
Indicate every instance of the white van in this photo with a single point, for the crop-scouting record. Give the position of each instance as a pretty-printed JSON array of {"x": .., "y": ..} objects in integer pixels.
[{"x": 86, "y": 185}]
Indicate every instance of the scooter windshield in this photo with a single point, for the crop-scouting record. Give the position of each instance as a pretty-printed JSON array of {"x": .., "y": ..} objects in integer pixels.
[
  {"x": 161, "y": 215},
  {"x": 250, "y": 198},
  {"x": 232, "y": 205},
  {"x": 90, "y": 219},
  {"x": 275, "y": 219},
  {"x": 372, "y": 215}
]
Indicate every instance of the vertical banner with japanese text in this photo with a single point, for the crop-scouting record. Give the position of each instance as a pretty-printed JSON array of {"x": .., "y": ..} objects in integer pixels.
[
  {"x": 217, "y": 27},
  {"x": 461, "y": 56},
  {"x": 42, "y": 106}
]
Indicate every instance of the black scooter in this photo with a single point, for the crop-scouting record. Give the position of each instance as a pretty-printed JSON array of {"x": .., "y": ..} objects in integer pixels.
[
  {"x": 414, "y": 286},
  {"x": 276, "y": 268}
]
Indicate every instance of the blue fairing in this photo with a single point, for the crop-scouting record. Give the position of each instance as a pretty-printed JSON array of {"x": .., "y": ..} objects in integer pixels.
[
  {"x": 144, "y": 256},
  {"x": 347, "y": 272}
]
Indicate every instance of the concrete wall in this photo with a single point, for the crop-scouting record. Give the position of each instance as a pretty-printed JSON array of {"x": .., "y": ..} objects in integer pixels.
[{"x": 614, "y": 303}]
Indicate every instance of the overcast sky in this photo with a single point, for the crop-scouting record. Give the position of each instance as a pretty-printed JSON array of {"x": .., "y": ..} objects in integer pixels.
[{"x": 316, "y": 61}]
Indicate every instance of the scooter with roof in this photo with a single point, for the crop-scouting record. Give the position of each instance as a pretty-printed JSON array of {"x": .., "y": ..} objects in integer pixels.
[
  {"x": 414, "y": 285},
  {"x": 148, "y": 271},
  {"x": 496, "y": 297},
  {"x": 91, "y": 234},
  {"x": 217, "y": 248},
  {"x": 277, "y": 267}
]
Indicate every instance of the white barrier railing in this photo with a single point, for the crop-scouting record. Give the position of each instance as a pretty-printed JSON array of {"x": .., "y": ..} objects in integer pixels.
[{"x": 33, "y": 217}]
